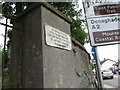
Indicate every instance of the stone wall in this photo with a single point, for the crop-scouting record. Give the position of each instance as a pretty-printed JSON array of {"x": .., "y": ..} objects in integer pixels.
[{"x": 69, "y": 69}]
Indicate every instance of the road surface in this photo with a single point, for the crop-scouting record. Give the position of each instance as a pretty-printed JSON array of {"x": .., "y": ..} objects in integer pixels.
[{"x": 112, "y": 83}]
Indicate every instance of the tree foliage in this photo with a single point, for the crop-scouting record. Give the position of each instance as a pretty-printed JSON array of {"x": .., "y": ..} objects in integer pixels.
[
  {"x": 77, "y": 27},
  {"x": 12, "y": 9}
]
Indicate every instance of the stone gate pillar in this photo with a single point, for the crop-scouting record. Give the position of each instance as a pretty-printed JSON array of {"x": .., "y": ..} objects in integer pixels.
[{"x": 39, "y": 47}]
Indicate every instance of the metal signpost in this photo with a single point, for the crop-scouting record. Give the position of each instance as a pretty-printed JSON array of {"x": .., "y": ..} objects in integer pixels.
[
  {"x": 102, "y": 21},
  {"x": 98, "y": 69},
  {"x": 100, "y": 80}
]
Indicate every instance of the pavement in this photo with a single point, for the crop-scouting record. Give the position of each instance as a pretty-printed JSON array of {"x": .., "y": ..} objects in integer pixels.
[
  {"x": 108, "y": 86},
  {"x": 112, "y": 83}
]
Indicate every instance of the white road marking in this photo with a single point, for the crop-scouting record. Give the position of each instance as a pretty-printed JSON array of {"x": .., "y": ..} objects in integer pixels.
[{"x": 108, "y": 86}]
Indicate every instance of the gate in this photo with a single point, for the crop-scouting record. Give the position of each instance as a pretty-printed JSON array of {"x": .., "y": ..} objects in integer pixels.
[{"x": 6, "y": 63}]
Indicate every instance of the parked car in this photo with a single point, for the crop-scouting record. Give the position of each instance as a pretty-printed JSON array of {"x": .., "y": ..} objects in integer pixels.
[
  {"x": 119, "y": 71},
  {"x": 113, "y": 70},
  {"x": 107, "y": 73}
]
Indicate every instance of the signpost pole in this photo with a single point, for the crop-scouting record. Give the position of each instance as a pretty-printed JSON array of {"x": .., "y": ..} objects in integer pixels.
[
  {"x": 100, "y": 83},
  {"x": 100, "y": 21}
]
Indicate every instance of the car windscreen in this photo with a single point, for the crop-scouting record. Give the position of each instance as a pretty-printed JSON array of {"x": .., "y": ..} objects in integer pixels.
[{"x": 106, "y": 70}]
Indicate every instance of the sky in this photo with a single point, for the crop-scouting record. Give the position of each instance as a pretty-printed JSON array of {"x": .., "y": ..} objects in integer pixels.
[
  {"x": 2, "y": 29},
  {"x": 107, "y": 52}
]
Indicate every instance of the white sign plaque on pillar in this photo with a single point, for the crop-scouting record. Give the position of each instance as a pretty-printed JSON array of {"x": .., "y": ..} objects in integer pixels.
[{"x": 57, "y": 38}]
